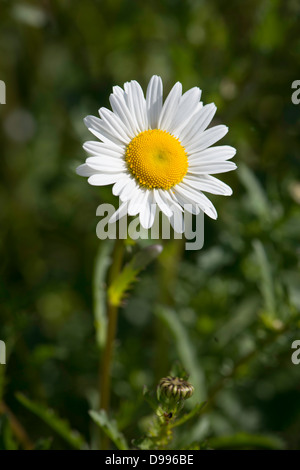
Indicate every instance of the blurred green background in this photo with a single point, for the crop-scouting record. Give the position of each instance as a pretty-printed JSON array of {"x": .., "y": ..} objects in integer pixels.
[{"x": 232, "y": 306}]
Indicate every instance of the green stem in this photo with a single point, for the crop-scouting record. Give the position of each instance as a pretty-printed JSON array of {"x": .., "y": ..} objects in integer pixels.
[
  {"x": 105, "y": 379},
  {"x": 168, "y": 271},
  {"x": 112, "y": 313}
]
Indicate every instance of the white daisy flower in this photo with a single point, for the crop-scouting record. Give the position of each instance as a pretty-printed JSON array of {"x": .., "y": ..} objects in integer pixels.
[{"x": 157, "y": 154}]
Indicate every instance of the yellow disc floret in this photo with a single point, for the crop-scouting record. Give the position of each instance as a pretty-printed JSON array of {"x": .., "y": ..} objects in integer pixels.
[{"x": 156, "y": 159}]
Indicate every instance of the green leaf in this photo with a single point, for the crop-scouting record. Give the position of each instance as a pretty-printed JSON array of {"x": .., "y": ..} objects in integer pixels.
[
  {"x": 60, "y": 426},
  {"x": 110, "y": 428},
  {"x": 103, "y": 260},
  {"x": 246, "y": 441},
  {"x": 149, "y": 398},
  {"x": 123, "y": 282},
  {"x": 257, "y": 197},
  {"x": 194, "y": 412},
  {"x": 245, "y": 314},
  {"x": 185, "y": 351},
  {"x": 266, "y": 285}
]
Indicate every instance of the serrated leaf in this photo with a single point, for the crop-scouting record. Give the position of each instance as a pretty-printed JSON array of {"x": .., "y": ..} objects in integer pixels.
[
  {"x": 128, "y": 276},
  {"x": 110, "y": 428},
  {"x": 60, "y": 426}
]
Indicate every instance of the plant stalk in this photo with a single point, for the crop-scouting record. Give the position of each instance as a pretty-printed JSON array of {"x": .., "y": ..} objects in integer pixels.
[{"x": 112, "y": 313}]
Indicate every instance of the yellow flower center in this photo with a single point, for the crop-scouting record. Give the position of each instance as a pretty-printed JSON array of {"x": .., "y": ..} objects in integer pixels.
[{"x": 157, "y": 159}]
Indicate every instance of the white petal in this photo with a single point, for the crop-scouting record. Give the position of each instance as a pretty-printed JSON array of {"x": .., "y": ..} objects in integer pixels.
[
  {"x": 206, "y": 139},
  {"x": 161, "y": 202},
  {"x": 99, "y": 148},
  {"x": 118, "y": 91},
  {"x": 85, "y": 170},
  {"x": 154, "y": 98},
  {"x": 135, "y": 203},
  {"x": 128, "y": 190},
  {"x": 193, "y": 195},
  {"x": 100, "y": 130},
  {"x": 103, "y": 179},
  {"x": 212, "y": 168},
  {"x": 187, "y": 106},
  {"x": 145, "y": 213},
  {"x": 170, "y": 107},
  {"x": 152, "y": 209},
  {"x": 115, "y": 124},
  {"x": 120, "y": 108},
  {"x": 106, "y": 164},
  {"x": 119, "y": 185},
  {"x": 120, "y": 212},
  {"x": 208, "y": 183},
  {"x": 176, "y": 217},
  {"x": 189, "y": 206},
  {"x": 217, "y": 154},
  {"x": 198, "y": 124},
  {"x": 147, "y": 209},
  {"x": 171, "y": 197},
  {"x": 177, "y": 221},
  {"x": 136, "y": 103}
]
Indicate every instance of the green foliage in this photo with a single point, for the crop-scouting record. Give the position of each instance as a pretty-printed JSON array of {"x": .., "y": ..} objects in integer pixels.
[
  {"x": 257, "y": 197},
  {"x": 267, "y": 286},
  {"x": 185, "y": 418},
  {"x": 61, "y": 427},
  {"x": 110, "y": 428},
  {"x": 120, "y": 285}
]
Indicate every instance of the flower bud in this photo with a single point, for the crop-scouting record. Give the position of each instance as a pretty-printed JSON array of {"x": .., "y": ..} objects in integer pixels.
[{"x": 175, "y": 388}]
